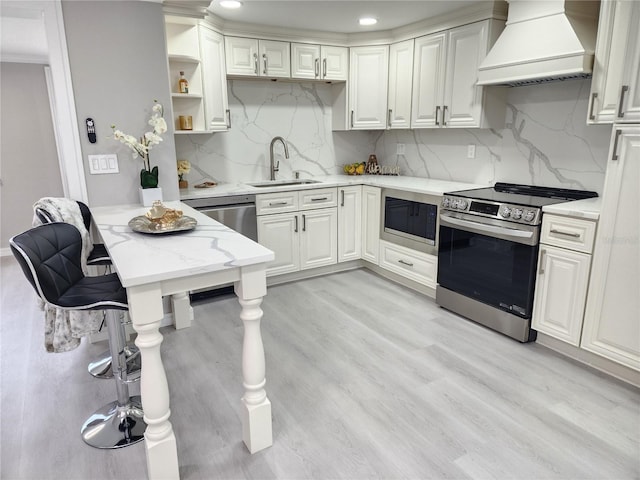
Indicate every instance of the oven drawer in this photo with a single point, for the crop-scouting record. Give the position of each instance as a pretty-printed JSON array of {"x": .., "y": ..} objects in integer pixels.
[
  {"x": 417, "y": 266},
  {"x": 573, "y": 233}
]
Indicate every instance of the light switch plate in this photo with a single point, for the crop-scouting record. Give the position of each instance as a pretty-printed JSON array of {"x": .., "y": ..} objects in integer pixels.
[
  {"x": 471, "y": 151},
  {"x": 399, "y": 148},
  {"x": 101, "y": 164}
]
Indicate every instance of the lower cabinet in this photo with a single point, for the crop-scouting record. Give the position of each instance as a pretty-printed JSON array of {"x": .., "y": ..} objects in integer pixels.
[
  {"x": 371, "y": 198},
  {"x": 349, "y": 223},
  {"x": 417, "y": 266}
]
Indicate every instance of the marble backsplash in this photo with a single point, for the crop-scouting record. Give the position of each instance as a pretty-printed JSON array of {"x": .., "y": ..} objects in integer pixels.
[{"x": 545, "y": 140}]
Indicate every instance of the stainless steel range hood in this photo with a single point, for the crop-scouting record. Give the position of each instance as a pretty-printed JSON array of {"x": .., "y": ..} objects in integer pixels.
[{"x": 543, "y": 40}]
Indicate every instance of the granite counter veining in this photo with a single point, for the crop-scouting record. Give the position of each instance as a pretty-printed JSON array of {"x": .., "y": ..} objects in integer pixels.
[{"x": 409, "y": 184}]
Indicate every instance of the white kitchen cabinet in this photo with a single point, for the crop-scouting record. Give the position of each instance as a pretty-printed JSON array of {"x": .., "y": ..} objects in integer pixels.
[
  {"x": 615, "y": 88},
  {"x": 216, "y": 103},
  {"x": 368, "y": 82},
  {"x": 257, "y": 58},
  {"x": 183, "y": 53},
  {"x": 319, "y": 62},
  {"x": 445, "y": 73},
  {"x": 349, "y": 223},
  {"x": 561, "y": 292},
  {"x": 417, "y": 266},
  {"x": 400, "y": 81},
  {"x": 612, "y": 317},
  {"x": 371, "y": 198},
  {"x": 300, "y": 227}
]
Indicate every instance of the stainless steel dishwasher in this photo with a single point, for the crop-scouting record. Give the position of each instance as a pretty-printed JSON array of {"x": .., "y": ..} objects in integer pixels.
[{"x": 237, "y": 212}]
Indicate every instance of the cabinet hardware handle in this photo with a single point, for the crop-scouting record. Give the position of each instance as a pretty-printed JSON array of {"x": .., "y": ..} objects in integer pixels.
[
  {"x": 389, "y": 119},
  {"x": 615, "y": 156},
  {"x": 277, "y": 204},
  {"x": 319, "y": 199},
  {"x": 264, "y": 59},
  {"x": 295, "y": 228},
  {"x": 324, "y": 67},
  {"x": 304, "y": 223},
  {"x": 405, "y": 263},
  {"x": 437, "y": 113},
  {"x": 255, "y": 63},
  {"x": 542, "y": 255},
  {"x": 444, "y": 113},
  {"x": 592, "y": 115},
  {"x": 351, "y": 118},
  {"x": 624, "y": 90},
  {"x": 316, "y": 70},
  {"x": 566, "y": 234},
  {"x": 228, "y": 118},
  {"x": 342, "y": 201}
]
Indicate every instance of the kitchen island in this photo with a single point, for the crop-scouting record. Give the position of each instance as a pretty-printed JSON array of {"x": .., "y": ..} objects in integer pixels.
[{"x": 151, "y": 266}]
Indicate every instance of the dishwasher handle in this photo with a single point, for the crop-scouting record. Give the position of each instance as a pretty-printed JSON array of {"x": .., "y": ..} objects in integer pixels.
[{"x": 220, "y": 202}]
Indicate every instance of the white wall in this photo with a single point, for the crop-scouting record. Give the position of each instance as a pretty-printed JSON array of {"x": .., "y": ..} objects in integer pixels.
[
  {"x": 545, "y": 140},
  {"x": 118, "y": 67},
  {"x": 28, "y": 155}
]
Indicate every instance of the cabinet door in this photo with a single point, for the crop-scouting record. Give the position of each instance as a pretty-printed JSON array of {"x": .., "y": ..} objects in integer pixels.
[
  {"x": 612, "y": 318},
  {"x": 428, "y": 81},
  {"x": 561, "y": 291},
  {"x": 216, "y": 105},
  {"x": 318, "y": 238},
  {"x": 370, "y": 223},
  {"x": 400, "y": 78},
  {"x": 334, "y": 63},
  {"x": 275, "y": 59},
  {"x": 241, "y": 56},
  {"x": 280, "y": 233},
  {"x": 349, "y": 223},
  {"x": 305, "y": 61},
  {"x": 630, "y": 106},
  {"x": 609, "y": 62},
  {"x": 368, "y": 87},
  {"x": 466, "y": 48}
]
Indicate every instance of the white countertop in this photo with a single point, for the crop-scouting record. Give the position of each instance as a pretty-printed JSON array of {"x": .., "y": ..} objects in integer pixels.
[
  {"x": 410, "y": 184},
  {"x": 589, "y": 208},
  {"x": 145, "y": 258}
]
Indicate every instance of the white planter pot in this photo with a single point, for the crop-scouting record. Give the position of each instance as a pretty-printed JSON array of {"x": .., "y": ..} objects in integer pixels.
[{"x": 149, "y": 195}]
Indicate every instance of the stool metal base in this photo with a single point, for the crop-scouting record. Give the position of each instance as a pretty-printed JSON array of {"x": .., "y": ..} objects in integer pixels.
[
  {"x": 115, "y": 426},
  {"x": 101, "y": 368}
]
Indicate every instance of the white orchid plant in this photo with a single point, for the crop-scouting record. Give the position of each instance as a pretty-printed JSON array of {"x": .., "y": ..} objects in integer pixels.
[
  {"x": 184, "y": 167},
  {"x": 141, "y": 147}
]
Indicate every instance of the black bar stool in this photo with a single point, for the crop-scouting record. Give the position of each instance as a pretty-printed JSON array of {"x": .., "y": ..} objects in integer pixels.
[{"x": 50, "y": 257}]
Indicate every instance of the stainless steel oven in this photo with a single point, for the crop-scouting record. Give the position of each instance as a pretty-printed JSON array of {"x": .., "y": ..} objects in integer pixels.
[
  {"x": 410, "y": 219},
  {"x": 488, "y": 251}
]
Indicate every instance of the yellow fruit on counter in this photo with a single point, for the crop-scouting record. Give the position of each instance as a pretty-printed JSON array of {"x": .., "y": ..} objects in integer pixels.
[{"x": 360, "y": 169}]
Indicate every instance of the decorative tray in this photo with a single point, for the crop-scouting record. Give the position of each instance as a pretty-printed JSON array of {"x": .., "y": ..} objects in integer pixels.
[{"x": 143, "y": 224}]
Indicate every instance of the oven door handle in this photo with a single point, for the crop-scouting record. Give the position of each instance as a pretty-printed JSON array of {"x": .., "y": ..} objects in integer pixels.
[{"x": 504, "y": 233}]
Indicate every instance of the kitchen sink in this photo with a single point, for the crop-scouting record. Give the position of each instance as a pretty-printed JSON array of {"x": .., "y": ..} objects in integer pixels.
[{"x": 282, "y": 183}]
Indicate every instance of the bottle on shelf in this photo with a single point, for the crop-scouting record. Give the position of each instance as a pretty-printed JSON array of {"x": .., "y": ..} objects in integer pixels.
[{"x": 183, "y": 84}]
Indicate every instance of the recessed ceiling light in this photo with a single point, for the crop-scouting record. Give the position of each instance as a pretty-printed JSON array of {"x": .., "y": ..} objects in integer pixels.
[
  {"x": 368, "y": 21},
  {"x": 230, "y": 4}
]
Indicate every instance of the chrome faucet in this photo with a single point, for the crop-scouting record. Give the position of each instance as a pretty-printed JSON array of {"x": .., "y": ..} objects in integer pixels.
[{"x": 275, "y": 166}]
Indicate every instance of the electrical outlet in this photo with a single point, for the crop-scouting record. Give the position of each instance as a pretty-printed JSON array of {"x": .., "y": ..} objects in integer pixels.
[
  {"x": 399, "y": 148},
  {"x": 471, "y": 151}
]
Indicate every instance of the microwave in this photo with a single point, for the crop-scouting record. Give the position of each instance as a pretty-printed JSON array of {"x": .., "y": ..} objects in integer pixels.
[{"x": 410, "y": 219}]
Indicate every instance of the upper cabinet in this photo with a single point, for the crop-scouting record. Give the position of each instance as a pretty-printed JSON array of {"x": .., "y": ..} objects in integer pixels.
[
  {"x": 319, "y": 62},
  {"x": 257, "y": 58},
  {"x": 216, "y": 104},
  {"x": 445, "y": 72},
  {"x": 400, "y": 80},
  {"x": 615, "y": 88},
  {"x": 368, "y": 82}
]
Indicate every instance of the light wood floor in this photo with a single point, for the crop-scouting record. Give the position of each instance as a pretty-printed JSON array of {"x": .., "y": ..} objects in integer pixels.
[{"x": 367, "y": 380}]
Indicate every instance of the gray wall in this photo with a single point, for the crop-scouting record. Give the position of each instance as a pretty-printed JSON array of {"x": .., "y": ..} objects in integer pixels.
[
  {"x": 118, "y": 67},
  {"x": 28, "y": 156}
]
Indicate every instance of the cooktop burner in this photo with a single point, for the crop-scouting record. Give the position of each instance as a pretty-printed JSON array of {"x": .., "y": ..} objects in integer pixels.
[{"x": 527, "y": 195}]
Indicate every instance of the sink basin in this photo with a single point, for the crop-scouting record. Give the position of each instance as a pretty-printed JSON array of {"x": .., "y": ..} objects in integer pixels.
[{"x": 282, "y": 183}]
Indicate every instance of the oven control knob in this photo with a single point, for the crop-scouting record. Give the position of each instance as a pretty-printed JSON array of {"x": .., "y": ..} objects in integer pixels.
[
  {"x": 446, "y": 202},
  {"x": 517, "y": 213},
  {"x": 529, "y": 215},
  {"x": 462, "y": 205},
  {"x": 454, "y": 203},
  {"x": 505, "y": 212}
]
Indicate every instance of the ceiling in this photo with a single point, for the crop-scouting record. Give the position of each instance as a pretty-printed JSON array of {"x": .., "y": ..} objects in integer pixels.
[{"x": 336, "y": 15}]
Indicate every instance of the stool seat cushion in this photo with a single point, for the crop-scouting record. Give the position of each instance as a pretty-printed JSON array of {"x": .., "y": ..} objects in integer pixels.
[
  {"x": 95, "y": 293},
  {"x": 99, "y": 255}
]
